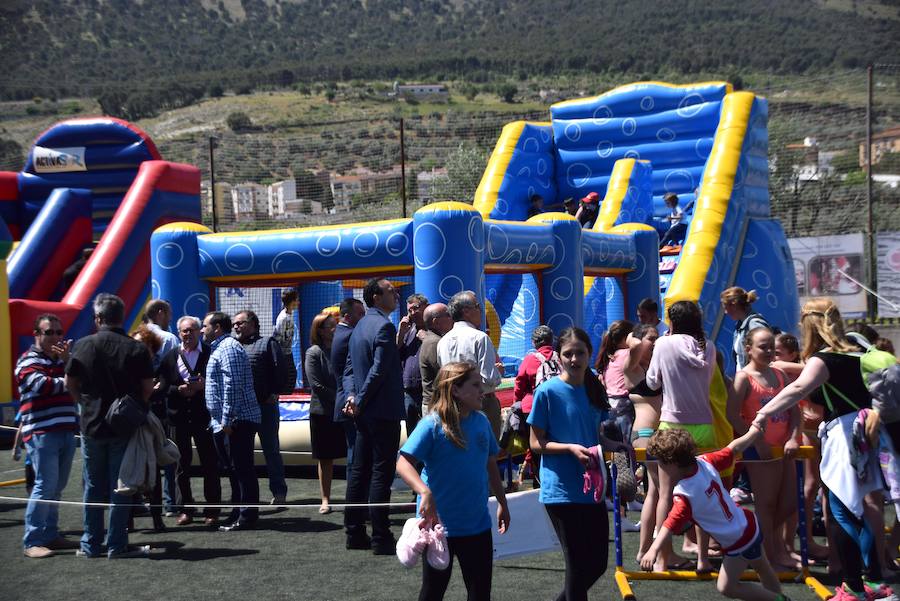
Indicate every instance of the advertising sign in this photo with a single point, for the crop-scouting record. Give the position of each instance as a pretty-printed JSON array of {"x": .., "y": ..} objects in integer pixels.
[
  {"x": 831, "y": 266},
  {"x": 888, "y": 245},
  {"x": 58, "y": 160}
]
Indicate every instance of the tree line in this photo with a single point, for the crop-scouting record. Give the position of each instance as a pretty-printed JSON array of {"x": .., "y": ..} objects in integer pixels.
[{"x": 142, "y": 57}]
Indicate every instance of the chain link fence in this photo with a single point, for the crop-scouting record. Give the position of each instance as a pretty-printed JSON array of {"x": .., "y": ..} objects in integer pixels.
[
  {"x": 844, "y": 230},
  {"x": 341, "y": 172},
  {"x": 385, "y": 167}
]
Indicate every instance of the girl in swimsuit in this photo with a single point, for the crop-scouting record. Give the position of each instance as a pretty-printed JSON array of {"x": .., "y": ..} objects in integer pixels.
[
  {"x": 647, "y": 404},
  {"x": 787, "y": 359},
  {"x": 774, "y": 482}
]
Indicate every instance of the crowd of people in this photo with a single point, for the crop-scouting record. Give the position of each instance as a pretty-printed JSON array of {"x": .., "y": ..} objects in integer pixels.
[{"x": 656, "y": 385}]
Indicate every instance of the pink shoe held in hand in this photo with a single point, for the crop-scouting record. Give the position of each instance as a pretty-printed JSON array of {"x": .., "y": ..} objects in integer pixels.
[
  {"x": 438, "y": 554},
  {"x": 412, "y": 542},
  {"x": 593, "y": 477}
]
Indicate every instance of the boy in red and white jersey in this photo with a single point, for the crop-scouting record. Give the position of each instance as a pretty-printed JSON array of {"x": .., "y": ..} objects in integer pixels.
[{"x": 700, "y": 497}]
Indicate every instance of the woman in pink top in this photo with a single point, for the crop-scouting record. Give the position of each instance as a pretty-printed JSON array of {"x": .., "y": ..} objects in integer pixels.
[
  {"x": 773, "y": 482},
  {"x": 682, "y": 365},
  {"x": 613, "y": 360}
]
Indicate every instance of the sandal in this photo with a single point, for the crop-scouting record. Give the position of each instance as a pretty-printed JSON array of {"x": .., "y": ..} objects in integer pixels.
[
  {"x": 684, "y": 564},
  {"x": 325, "y": 509}
]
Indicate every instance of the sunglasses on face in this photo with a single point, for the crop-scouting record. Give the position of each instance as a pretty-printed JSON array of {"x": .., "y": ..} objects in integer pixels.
[
  {"x": 51, "y": 332},
  {"x": 238, "y": 324}
]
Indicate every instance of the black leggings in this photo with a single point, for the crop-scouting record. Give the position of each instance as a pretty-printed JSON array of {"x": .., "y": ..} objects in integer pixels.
[
  {"x": 855, "y": 542},
  {"x": 583, "y": 532},
  {"x": 476, "y": 559}
]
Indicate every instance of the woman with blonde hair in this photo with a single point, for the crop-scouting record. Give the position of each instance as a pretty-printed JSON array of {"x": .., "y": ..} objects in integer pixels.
[
  {"x": 738, "y": 305},
  {"x": 832, "y": 378},
  {"x": 326, "y": 435},
  {"x": 456, "y": 444}
]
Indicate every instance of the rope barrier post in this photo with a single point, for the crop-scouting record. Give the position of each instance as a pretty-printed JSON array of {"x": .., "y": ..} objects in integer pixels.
[
  {"x": 617, "y": 521},
  {"x": 811, "y": 581},
  {"x": 801, "y": 515},
  {"x": 620, "y": 577},
  {"x": 624, "y": 588}
]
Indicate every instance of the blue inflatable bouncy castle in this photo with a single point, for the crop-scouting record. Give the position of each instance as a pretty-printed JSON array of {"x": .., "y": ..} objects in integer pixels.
[
  {"x": 446, "y": 247},
  {"x": 633, "y": 145}
]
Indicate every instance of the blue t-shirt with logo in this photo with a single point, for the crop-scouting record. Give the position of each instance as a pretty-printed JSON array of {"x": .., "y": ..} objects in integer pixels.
[
  {"x": 457, "y": 477},
  {"x": 564, "y": 412}
]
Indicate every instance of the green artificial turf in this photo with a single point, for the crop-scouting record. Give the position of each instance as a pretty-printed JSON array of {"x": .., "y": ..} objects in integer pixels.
[{"x": 294, "y": 554}]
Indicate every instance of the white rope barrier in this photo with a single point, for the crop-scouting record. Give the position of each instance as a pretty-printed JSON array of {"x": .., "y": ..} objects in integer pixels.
[{"x": 301, "y": 506}]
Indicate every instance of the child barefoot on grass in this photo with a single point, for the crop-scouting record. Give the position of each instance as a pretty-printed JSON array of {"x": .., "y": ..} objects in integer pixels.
[
  {"x": 701, "y": 497},
  {"x": 774, "y": 481},
  {"x": 787, "y": 359}
]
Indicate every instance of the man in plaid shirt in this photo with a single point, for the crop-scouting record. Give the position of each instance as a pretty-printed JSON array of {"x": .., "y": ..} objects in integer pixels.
[{"x": 234, "y": 416}]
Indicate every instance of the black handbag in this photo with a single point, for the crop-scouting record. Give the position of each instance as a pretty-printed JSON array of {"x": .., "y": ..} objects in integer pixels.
[{"x": 126, "y": 414}]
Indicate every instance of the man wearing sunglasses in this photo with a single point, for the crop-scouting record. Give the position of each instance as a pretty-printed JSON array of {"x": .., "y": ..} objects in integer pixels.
[{"x": 49, "y": 423}]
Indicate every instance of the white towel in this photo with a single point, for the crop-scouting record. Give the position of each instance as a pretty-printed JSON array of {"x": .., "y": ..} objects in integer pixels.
[{"x": 836, "y": 468}]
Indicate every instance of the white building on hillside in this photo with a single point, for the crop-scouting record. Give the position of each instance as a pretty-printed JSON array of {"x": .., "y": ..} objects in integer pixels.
[
  {"x": 249, "y": 201},
  {"x": 280, "y": 194}
]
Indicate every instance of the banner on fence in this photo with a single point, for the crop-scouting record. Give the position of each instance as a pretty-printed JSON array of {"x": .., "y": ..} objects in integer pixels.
[
  {"x": 831, "y": 266},
  {"x": 888, "y": 245}
]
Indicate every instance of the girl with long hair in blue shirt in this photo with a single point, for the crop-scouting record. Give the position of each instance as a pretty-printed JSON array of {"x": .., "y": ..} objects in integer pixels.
[
  {"x": 565, "y": 423},
  {"x": 457, "y": 446}
]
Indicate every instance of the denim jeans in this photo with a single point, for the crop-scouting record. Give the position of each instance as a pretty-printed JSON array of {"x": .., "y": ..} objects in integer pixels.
[
  {"x": 102, "y": 460},
  {"x": 236, "y": 455},
  {"x": 171, "y": 501},
  {"x": 51, "y": 455},
  {"x": 268, "y": 439},
  {"x": 622, "y": 413}
]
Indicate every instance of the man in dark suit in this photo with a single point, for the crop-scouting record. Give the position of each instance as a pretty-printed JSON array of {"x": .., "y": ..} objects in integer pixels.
[
  {"x": 181, "y": 378},
  {"x": 352, "y": 310},
  {"x": 373, "y": 385}
]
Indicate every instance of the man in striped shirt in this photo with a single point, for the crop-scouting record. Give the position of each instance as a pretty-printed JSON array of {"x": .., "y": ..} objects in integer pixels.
[{"x": 49, "y": 423}]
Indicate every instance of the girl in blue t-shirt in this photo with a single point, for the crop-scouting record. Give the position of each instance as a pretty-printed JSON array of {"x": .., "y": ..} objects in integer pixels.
[
  {"x": 565, "y": 423},
  {"x": 458, "y": 448}
]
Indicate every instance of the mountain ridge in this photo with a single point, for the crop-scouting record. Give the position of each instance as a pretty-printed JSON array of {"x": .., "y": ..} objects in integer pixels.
[{"x": 80, "y": 47}]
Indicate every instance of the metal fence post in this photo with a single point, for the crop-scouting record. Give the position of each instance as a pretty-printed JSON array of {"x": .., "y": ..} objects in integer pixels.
[
  {"x": 402, "y": 169},
  {"x": 212, "y": 184},
  {"x": 872, "y": 304}
]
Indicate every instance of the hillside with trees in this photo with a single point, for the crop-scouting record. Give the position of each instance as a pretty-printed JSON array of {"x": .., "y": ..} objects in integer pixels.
[{"x": 147, "y": 57}]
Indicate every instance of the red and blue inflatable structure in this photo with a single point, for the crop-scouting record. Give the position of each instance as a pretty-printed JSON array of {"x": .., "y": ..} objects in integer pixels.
[{"x": 85, "y": 180}]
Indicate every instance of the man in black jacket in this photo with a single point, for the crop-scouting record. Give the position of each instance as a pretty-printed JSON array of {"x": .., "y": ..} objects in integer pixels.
[
  {"x": 102, "y": 368},
  {"x": 181, "y": 378},
  {"x": 269, "y": 374}
]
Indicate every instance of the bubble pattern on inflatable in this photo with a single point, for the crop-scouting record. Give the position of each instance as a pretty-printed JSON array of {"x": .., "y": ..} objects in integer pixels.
[
  {"x": 672, "y": 127},
  {"x": 766, "y": 267},
  {"x": 523, "y": 165}
]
